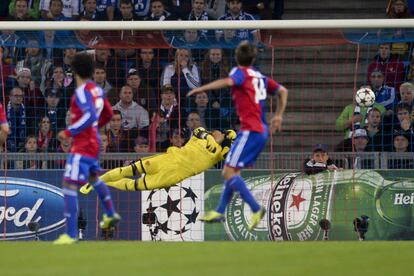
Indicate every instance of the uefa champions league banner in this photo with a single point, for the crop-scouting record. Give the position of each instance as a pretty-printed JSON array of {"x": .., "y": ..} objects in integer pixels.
[
  {"x": 296, "y": 204},
  {"x": 172, "y": 214},
  {"x": 36, "y": 196}
]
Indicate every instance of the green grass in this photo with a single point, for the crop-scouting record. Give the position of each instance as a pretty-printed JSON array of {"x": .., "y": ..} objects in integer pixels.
[{"x": 207, "y": 258}]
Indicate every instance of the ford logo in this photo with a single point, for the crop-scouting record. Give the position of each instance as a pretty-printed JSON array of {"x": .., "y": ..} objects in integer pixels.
[{"x": 25, "y": 200}]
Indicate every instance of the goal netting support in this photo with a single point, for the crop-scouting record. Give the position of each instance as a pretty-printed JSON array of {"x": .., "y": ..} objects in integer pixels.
[{"x": 155, "y": 64}]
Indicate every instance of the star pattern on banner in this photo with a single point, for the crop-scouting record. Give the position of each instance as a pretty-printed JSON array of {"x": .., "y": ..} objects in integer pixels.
[
  {"x": 192, "y": 217},
  {"x": 189, "y": 193},
  {"x": 164, "y": 227},
  {"x": 171, "y": 206}
]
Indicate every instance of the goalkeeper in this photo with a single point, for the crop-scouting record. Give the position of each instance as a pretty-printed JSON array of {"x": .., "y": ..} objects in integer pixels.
[{"x": 202, "y": 151}]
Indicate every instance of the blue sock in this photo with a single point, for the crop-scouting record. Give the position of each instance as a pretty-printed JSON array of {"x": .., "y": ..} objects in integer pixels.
[
  {"x": 105, "y": 197},
  {"x": 238, "y": 184},
  {"x": 226, "y": 196},
  {"x": 71, "y": 212}
]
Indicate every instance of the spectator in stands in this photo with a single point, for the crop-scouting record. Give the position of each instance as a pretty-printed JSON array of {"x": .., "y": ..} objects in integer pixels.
[
  {"x": 58, "y": 80},
  {"x": 377, "y": 138},
  {"x": 389, "y": 65},
  {"x": 182, "y": 74},
  {"x": 407, "y": 93},
  {"x": 106, "y": 7},
  {"x": 229, "y": 39},
  {"x": 90, "y": 11},
  {"x": 358, "y": 145},
  {"x": 235, "y": 12},
  {"x": 319, "y": 161},
  {"x": 141, "y": 8},
  {"x": 349, "y": 117},
  {"x": 35, "y": 61},
  {"x": 398, "y": 9},
  {"x": 33, "y": 96},
  {"x": 178, "y": 138},
  {"x": 125, "y": 59},
  {"x": 401, "y": 145},
  {"x": 149, "y": 72},
  {"x": 99, "y": 77},
  {"x": 193, "y": 120},
  {"x": 30, "y": 148},
  {"x": 216, "y": 66},
  {"x": 404, "y": 123},
  {"x": 55, "y": 109},
  {"x": 144, "y": 97},
  {"x": 21, "y": 11},
  {"x": 141, "y": 145},
  {"x": 158, "y": 12},
  {"x": 16, "y": 116},
  {"x": 384, "y": 95},
  {"x": 103, "y": 59},
  {"x": 210, "y": 117},
  {"x": 148, "y": 69},
  {"x": 126, "y": 11},
  {"x": 59, "y": 9},
  {"x": 167, "y": 118},
  {"x": 10, "y": 45},
  {"x": 119, "y": 139},
  {"x": 46, "y": 141},
  {"x": 199, "y": 13},
  {"x": 134, "y": 115}
]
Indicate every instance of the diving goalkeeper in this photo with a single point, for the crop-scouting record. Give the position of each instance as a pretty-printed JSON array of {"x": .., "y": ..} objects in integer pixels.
[{"x": 201, "y": 152}]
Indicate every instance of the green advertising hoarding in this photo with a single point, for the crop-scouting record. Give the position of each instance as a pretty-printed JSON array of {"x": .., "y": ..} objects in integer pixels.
[{"x": 296, "y": 202}]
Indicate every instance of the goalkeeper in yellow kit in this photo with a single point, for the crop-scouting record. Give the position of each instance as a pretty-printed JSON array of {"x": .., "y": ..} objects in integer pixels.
[{"x": 201, "y": 152}]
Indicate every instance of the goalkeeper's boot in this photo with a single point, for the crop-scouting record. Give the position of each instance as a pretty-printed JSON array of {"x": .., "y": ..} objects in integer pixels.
[
  {"x": 108, "y": 222},
  {"x": 257, "y": 217},
  {"x": 213, "y": 216},
  {"x": 86, "y": 189},
  {"x": 64, "y": 239}
]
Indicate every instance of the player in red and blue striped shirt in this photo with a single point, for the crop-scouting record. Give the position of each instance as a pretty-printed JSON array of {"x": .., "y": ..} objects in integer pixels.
[
  {"x": 4, "y": 126},
  {"x": 89, "y": 110},
  {"x": 249, "y": 90}
]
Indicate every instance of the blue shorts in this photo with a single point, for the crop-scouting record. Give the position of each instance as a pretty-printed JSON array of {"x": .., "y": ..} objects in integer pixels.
[
  {"x": 246, "y": 149},
  {"x": 78, "y": 169}
]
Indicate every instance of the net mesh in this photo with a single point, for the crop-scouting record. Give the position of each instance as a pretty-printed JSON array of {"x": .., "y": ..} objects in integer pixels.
[{"x": 322, "y": 70}]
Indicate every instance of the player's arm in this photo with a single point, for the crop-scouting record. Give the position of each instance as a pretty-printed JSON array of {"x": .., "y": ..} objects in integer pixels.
[
  {"x": 229, "y": 138},
  {"x": 106, "y": 114},
  {"x": 282, "y": 96},
  {"x": 85, "y": 104},
  {"x": 217, "y": 84}
]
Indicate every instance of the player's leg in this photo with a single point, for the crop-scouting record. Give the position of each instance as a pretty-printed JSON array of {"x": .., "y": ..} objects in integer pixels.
[
  {"x": 73, "y": 169},
  {"x": 245, "y": 154},
  {"x": 110, "y": 218},
  {"x": 119, "y": 177}
]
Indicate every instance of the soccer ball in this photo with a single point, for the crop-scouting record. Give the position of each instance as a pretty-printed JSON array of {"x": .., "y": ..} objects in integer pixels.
[{"x": 365, "y": 97}]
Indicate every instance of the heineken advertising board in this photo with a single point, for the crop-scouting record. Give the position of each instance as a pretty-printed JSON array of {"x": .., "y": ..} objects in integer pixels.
[{"x": 296, "y": 202}]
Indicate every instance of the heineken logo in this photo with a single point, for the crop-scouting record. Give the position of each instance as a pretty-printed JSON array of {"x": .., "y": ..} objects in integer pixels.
[
  {"x": 276, "y": 214},
  {"x": 403, "y": 199},
  {"x": 296, "y": 205}
]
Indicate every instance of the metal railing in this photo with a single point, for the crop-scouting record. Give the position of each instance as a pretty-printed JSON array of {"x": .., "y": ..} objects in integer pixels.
[{"x": 277, "y": 161}]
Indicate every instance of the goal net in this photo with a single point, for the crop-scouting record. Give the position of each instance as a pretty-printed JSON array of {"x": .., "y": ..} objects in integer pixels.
[{"x": 146, "y": 70}]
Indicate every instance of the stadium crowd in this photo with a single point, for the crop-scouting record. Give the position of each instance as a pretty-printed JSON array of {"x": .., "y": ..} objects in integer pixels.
[{"x": 147, "y": 85}]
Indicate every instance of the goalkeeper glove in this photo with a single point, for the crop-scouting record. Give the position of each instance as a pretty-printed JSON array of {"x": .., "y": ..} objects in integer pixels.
[
  {"x": 200, "y": 133},
  {"x": 229, "y": 137}
]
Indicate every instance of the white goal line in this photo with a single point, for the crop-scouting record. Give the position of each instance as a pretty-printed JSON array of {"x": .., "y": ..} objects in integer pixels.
[{"x": 212, "y": 25}]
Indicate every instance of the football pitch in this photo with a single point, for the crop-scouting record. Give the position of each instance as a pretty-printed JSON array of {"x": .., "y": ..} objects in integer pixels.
[{"x": 207, "y": 258}]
